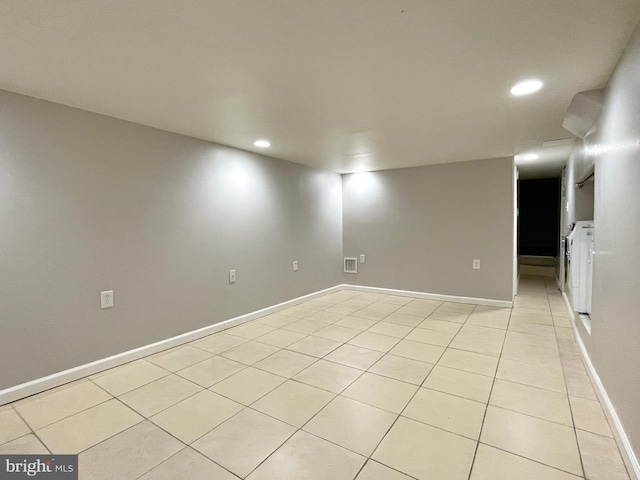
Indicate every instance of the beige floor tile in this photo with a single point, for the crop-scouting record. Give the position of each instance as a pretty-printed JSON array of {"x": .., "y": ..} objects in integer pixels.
[
  {"x": 276, "y": 320},
  {"x": 248, "y": 385},
  {"x": 579, "y": 385},
  {"x": 219, "y": 342},
  {"x": 529, "y": 374},
  {"x": 540, "y": 440},
  {"x": 451, "y": 413},
  {"x": 190, "y": 419},
  {"x": 356, "y": 357},
  {"x": 356, "y": 323},
  {"x": 25, "y": 445},
  {"x": 130, "y": 376},
  {"x": 337, "y": 333},
  {"x": 281, "y": 338},
  {"x": 564, "y": 332},
  {"x": 396, "y": 300},
  {"x": 308, "y": 457},
  {"x": 524, "y": 340},
  {"x": 473, "y": 338},
  {"x": 408, "y": 316},
  {"x": 469, "y": 361},
  {"x": 87, "y": 428},
  {"x": 343, "y": 309},
  {"x": 11, "y": 425},
  {"x": 390, "y": 329},
  {"x": 457, "y": 317},
  {"x": 537, "y": 355},
  {"x": 250, "y": 330},
  {"x": 188, "y": 464},
  {"x": 600, "y": 457},
  {"x": 537, "y": 402},
  {"x": 244, "y": 441},
  {"x": 432, "y": 337},
  {"x": 588, "y": 415},
  {"x": 156, "y": 396},
  {"x": 286, "y": 363},
  {"x": 422, "y": 352},
  {"x": 45, "y": 410},
  {"x": 250, "y": 352},
  {"x": 374, "y": 341},
  {"x": 293, "y": 402},
  {"x": 440, "y": 325},
  {"x": 458, "y": 382},
  {"x": 329, "y": 376},
  {"x": 376, "y": 311},
  {"x": 351, "y": 424},
  {"x": 211, "y": 371},
  {"x": 457, "y": 307},
  {"x": 129, "y": 454},
  {"x": 325, "y": 317},
  {"x": 494, "y": 464},
  {"x": 305, "y": 326},
  {"x": 297, "y": 311},
  {"x": 426, "y": 452},
  {"x": 314, "y": 346},
  {"x": 376, "y": 471},
  {"x": 532, "y": 328},
  {"x": 382, "y": 392},
  {"x": 560, "y": 321},
  {"x": 531, "y": 318},
  {"x": 179, "y": 358},
  {"x": 403, "y": 369}
]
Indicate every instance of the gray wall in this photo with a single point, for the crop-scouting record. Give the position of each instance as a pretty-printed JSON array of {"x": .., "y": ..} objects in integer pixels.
[
  {"x": 614, "y": 342},
  {"x": 91, "y": 203},
  {"x": 420, "y": 228}
]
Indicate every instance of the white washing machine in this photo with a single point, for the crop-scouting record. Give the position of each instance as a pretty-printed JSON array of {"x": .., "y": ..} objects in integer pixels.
[{"x": 580, "y": 244}]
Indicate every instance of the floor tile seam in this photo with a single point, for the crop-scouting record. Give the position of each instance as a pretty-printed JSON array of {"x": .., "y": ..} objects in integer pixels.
[
  {"x": 141, "y": 385},
  {"x": 463, "y": 370},
  {"x": 324, "y": 389},
  {"x": 71, "y": 415},
  {"x": 31, "y": 430},
  {"x": 561, "y": 370},
  {"x": 599, "y": 435},
  {"x": 532, "y": 460},
  {"x": 165, "y": 408},
  {"x": 572, "y": 426},
  {"x": 240, "y": 403},
  {"x": 455, "y": 395},
  {"x": 177, "y": 372}
]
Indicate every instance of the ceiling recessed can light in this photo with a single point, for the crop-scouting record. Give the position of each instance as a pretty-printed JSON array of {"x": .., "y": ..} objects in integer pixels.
[
  {"x": 262, "y": 143},
  {"x": 527, "y": 157},
  {"x": 526, "y": 87}
]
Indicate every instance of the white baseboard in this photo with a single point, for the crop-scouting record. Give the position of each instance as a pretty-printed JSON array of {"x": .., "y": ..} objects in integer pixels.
[
  {"x": 23, "y": 390},
  {"x": 430, "y": 296},
  {"x": 628, "y": 455}
]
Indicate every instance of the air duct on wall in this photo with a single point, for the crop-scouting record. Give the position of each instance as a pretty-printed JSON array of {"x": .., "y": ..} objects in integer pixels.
[{"x": 583, "y": 111}]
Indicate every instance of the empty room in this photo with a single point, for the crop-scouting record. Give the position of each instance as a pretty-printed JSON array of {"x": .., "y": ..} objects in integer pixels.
[{"x": 329, "y": 240}]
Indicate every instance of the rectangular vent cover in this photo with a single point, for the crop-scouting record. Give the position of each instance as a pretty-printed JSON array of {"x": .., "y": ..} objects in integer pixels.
[{"x": 350, "y": 265}]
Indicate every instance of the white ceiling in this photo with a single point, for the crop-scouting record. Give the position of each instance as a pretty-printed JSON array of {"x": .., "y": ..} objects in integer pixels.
[{"x": 346, "y": 85}]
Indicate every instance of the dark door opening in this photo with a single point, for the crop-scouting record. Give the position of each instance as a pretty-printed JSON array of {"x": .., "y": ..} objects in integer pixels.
[{"x": 539, "y": 215}]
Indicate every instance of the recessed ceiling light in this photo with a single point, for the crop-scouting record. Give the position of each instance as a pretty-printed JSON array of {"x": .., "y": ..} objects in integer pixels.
[
  {"x": 528, "y": 157},
  {"x": 526, "y": 87},
  {"x": 262, "y": 143}
]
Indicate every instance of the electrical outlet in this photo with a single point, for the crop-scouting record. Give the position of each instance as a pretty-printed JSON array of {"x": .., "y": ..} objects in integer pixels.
[
  {"x": 476, "y": 264},
  {"x": 362, "y": 258},
  {"x": 232, "y": 276},
  {"x": 106, "y": 299},
  {"x": 295, "y": 265}
]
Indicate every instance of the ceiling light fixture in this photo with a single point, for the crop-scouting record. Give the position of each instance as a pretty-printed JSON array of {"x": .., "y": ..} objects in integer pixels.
[
  {"x": 526, "y": 87},
  {"x": 262, "y": 143},
  {"x": 528, "y": 157}
]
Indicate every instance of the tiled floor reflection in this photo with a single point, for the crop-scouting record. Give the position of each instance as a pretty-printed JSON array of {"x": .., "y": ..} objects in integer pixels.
[{"x": 347, "y": 386}]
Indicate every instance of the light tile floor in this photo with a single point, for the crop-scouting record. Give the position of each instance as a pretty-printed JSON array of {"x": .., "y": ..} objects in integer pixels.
[{"x": 349, "y": 385}]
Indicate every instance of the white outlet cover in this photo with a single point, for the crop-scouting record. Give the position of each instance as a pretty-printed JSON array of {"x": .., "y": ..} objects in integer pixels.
[
  {"x": 232, "y": 276},
  {"x": 106, "y": 299},
  {"x": 476, "y": 264},
  {"x": 362, "y": 258},
  {"x": 295, "y": 265}
]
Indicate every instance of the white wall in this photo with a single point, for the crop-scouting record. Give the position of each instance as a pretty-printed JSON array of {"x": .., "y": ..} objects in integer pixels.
[
  {"x": 91, "y": 203},
  {"x": 614, "y": 343},
  {"x": 420, "y": 228}
]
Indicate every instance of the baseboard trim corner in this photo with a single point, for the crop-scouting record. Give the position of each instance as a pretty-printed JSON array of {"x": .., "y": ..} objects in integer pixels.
[
  {"x": 430, "y": 296},
  {"x": 38, "y": 385},
  {"x": 624, "y": 445}
]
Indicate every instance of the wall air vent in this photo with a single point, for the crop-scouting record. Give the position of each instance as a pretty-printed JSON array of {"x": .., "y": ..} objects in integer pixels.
[{"x": 350, "y": 265}]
